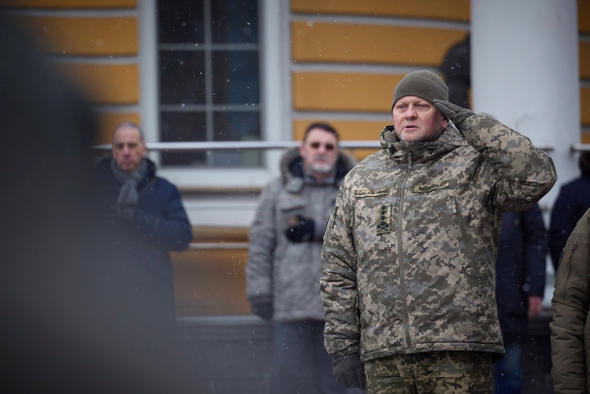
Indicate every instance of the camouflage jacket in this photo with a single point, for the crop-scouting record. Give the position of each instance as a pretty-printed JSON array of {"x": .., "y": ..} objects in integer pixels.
[
  {"x": 570, "y": 328},
  {"x": 281, "y": 271},
  {"x": 409, "y": 252}
]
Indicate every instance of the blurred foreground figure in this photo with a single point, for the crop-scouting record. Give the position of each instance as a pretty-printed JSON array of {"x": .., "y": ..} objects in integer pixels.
[
  {"x": 409, "y": 253},
  {"x": 144, "y": 214},
  {"x": 520, "y": 284},
  {"x": 572, "y": 202},
  {"x": 570, "y": 329},
  {"x": 283, "y": 272},
  {"x": 70, "y": 320}
]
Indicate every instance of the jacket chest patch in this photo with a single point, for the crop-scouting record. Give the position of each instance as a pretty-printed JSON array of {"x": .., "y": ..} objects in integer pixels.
[
  {"x": 430, "y": 187},
  {"x": 383, "y": 219},
  {"x": 371, "y": 193}
]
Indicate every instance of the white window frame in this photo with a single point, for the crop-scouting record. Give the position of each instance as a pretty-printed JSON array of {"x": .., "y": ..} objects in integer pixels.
[{"x": 275, "y": 98}]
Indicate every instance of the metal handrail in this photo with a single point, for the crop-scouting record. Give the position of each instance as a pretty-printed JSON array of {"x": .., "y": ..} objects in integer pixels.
[
  {"x": 253, "y": 145},
  {"x": 257, "y": 145},
  {"x": 218, "y": 245},
  {"x": 238, "y": 145},
  {"x": 580, "y": 148}
]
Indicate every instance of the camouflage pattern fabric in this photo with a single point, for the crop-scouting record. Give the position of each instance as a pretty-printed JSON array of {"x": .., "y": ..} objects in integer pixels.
[
  {"x": 409, "y": 253},
  {"x": 435, "y": 372}
]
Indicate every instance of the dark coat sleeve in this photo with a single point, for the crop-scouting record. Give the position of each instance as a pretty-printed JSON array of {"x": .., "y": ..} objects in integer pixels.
[
  {"x": 563, "y": 221},
  {"x": 170, "y": 229},
  {"x": 535, "y": 243}
]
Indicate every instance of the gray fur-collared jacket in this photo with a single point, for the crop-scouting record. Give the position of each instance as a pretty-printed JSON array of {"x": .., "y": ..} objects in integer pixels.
[{"x": 287, "y": 272}]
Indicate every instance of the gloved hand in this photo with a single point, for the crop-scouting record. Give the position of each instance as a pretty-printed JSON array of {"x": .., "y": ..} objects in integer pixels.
[
  {"x": 300, "y": 229},
  {"x": 456, "y": 114},
  {"x": 349, "y": 371},
  {"x": 262, "y": 308},
  {"x": 127, "y": 201}
]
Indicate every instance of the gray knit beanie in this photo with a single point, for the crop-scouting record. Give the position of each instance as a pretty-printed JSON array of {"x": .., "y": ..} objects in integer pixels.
[{"x": 424, "y": 84}]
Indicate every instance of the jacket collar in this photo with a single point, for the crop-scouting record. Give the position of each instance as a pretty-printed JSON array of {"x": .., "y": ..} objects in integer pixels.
[
  {"x": 404, "y": 152},
  {"x": 292, "y": 169},
  {"x": 103, "y": 169}
]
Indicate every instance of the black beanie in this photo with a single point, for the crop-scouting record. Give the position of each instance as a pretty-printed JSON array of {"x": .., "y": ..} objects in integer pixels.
[{"x": 424, "y": 84}]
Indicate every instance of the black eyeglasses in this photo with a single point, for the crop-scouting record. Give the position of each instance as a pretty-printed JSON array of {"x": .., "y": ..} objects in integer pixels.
[{"x": 316, "y": 145}]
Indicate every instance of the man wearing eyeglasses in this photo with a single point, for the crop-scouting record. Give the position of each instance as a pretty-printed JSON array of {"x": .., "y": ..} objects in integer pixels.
[
  {"x": 283, "y": 270},
  {"x": 409, "y": 253}
]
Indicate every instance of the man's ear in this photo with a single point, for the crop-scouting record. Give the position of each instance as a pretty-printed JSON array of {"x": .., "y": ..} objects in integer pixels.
[{"x": 144, "y": 149}]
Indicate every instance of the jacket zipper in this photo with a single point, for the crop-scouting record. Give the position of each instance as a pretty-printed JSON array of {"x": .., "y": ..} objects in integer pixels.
[
  {"x": 465, "y": 237},
  {"x": 401, "y": 251}
]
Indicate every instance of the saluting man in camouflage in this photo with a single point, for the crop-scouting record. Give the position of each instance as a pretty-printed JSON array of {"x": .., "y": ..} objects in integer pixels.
[{"x": 408, "y": 259}]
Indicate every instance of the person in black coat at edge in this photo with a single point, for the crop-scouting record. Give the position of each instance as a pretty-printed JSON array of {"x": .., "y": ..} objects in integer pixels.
[
  {"x": 145, "y": 214},
  {"x": 520, "y": 284},
  {"x": 571, "y": 204}
]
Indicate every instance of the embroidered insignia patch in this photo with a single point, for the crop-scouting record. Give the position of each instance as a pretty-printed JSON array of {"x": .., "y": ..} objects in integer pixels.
[
  {"x": 431, "y": 187},
  {"x": 383, "y": 219},
  {"x": 371, "y": 193}
]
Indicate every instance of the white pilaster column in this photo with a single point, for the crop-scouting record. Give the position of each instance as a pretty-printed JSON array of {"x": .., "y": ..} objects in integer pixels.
[
  {"x": 275, "y": 73},
  {"x": 148, "y": 72},
  {"x": 525, "y": 73}
]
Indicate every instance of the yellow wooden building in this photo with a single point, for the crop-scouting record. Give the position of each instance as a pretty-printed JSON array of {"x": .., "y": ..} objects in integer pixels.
[{"x": 223, "y": 70}]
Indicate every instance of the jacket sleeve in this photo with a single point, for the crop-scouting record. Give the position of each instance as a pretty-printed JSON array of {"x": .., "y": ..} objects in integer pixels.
[
  {"x": 563, "y": 221},
  {"x": 535, "y": 243},
  {"x": 338, "y": 285},
  {"x": 262, "y": 246},
  {"x": 570, "y": 301},
  {"x": 520, "y": 173},
  {"x": 170, "y": 231}
]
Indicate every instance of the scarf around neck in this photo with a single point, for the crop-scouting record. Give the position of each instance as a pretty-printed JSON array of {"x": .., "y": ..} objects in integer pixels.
[
  {"x": 124, "y": 176},
  {"x": 128, "y": 196}
]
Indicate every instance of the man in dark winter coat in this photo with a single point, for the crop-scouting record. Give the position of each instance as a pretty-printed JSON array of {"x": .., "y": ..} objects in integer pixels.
[
  {"x": 520, "y": 284},
  {"x": 146, "y": 215},
  {"x": 283, "y": 272},
  {"x": 571, "y": 204}
]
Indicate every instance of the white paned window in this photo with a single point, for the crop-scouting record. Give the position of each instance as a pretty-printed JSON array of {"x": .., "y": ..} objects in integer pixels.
[
  {"x": 210, "y": 74},
  {"x": 208, "y": 58}
]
